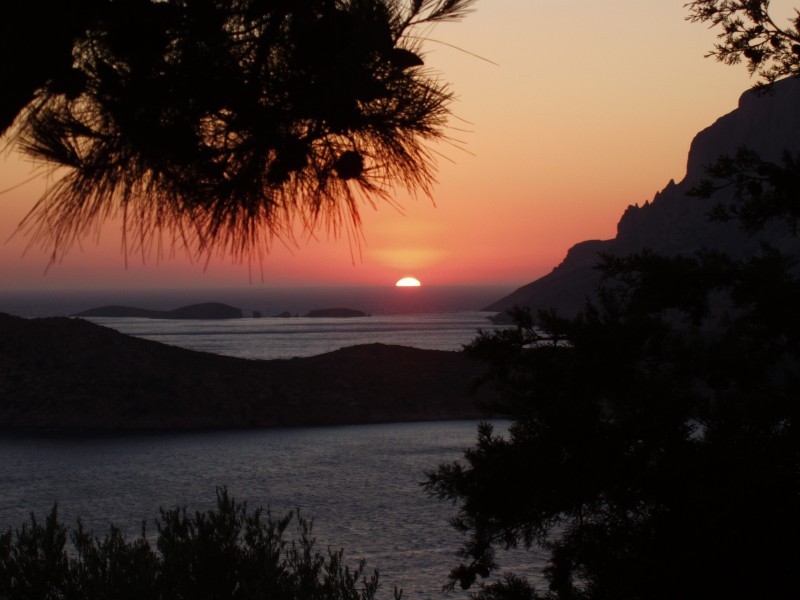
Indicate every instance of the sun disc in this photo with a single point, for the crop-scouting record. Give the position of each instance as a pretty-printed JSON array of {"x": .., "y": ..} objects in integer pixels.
[{"x": 408, "y": 282}]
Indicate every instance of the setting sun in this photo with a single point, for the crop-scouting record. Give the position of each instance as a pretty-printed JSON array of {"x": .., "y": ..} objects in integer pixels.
[{"x": 408, "y": 282}]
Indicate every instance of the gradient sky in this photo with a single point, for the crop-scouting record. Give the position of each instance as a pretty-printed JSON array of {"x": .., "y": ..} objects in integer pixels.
[{"x": 591, "y": 106}]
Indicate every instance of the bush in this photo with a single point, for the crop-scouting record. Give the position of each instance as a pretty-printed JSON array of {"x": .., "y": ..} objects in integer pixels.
[{"x": 220, "y": 554}]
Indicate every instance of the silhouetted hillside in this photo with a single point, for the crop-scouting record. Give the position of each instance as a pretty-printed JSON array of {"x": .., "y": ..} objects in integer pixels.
[
  {"x": 62, "y": 373},
  {"x": 673, "y": 222},
  {"x": 208, "y": 310}
]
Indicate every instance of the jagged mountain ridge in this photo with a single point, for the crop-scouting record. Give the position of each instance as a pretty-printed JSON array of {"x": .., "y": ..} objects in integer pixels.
[{"x": 767, "y": 122}]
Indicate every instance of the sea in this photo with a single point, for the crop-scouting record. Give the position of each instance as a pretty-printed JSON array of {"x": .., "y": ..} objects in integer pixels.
[
  {"x": 361, "y": 485},
  {"x": 267, "y": 300},
  {"x": 431, "y": 318}
]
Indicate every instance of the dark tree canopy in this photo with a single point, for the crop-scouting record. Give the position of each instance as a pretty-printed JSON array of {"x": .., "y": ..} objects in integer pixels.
[
  {"x": 655, "y": 446},
  {"x": 763, "y": 190},
  {"x": 223, "y": 123}
]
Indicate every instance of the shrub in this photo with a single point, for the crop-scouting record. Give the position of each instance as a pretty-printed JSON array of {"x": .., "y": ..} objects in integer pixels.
[{"x": 224, "y": 553}]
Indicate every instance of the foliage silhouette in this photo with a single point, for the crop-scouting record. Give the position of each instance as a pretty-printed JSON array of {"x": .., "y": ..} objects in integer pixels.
[
  {"x": 763, "y": 189},
  {"x": 655, "y": 447},
  {"x": 750, "y": 33},
  {"x": 225, "y": 124},
  {"x": 225, "y": 553}
]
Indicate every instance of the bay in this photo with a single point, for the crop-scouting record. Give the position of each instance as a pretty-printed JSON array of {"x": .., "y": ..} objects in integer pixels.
[
  {"x": 273, "y": 338},
  {"x": 360, "y": 484}
]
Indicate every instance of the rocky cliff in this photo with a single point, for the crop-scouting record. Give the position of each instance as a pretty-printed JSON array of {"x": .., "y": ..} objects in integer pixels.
[{"x": 674, "y": 222}]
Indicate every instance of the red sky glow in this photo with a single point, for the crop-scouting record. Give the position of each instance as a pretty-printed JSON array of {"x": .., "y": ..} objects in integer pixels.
[{"x": 586, "y": 107}]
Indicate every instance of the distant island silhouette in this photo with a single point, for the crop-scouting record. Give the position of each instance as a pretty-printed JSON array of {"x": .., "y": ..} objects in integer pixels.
[
  {"x": 208, "y": 310},
  {"x": 69, "y": 374}
]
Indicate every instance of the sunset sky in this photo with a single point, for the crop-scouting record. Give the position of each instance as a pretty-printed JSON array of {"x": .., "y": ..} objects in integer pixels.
[{"x": 586, "y": 107}]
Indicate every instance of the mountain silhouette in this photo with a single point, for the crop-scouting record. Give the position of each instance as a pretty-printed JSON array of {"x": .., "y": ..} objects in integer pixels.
[{"x": 766, "y": 121}]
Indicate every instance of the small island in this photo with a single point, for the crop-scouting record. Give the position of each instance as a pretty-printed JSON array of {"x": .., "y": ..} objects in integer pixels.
[
  {"x": 208, "y": 310},
  {"x": 339, "y": 313}
]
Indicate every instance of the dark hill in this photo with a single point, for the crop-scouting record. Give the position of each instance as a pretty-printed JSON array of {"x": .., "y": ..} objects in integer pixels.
[
  {"x": 62, "y": 373},
  {"x": 208, "y": 310},
  {"x": 674, "y": 222}
]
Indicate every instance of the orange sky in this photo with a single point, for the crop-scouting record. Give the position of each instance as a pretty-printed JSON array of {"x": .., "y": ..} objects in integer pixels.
[{"x": 591, "y": 106}]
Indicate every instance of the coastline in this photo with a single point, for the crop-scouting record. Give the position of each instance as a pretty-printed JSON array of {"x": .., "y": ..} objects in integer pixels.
[{"x": 70, "y": 375}]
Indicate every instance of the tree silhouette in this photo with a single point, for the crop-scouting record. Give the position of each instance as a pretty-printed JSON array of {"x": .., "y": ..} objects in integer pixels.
[
  {"x": 655, "y": 442},
  {"x": 654, "y": 447},
  {"x": 225, "y": 123},
  {"x": 749, "y": 32}
]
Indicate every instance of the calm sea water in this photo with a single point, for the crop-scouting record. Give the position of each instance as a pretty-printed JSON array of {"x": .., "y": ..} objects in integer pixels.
[
  {"x": 269, "y": 301},
  {"x": 269, "y": 338},
  {"x": 360, "y": 484},
  {"x": 428, "y": 318}
]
